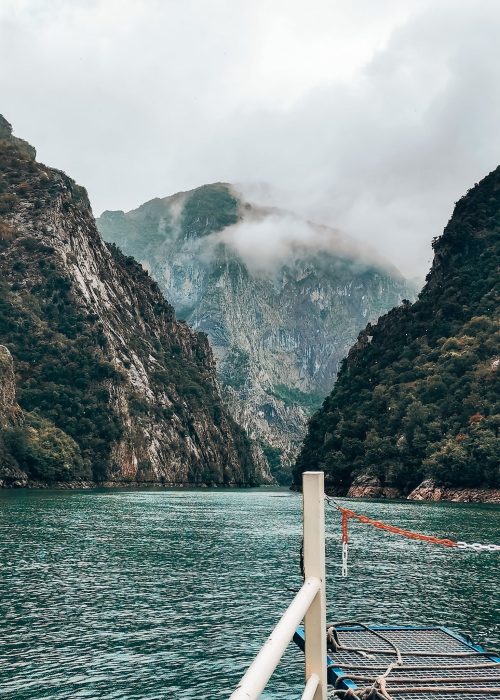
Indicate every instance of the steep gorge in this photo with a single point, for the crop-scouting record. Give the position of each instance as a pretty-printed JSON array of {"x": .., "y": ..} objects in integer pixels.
[
  {"x": 101, "y": 361},
  {"x": 281, "y": 300}
]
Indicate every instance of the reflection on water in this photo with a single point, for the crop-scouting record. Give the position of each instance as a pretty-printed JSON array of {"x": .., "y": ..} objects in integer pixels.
[{"x": 169, "y": 594}]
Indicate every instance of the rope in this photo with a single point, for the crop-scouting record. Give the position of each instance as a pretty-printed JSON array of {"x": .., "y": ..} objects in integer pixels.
[
  {"x": 429, "y": 667},
  {"x": 336, "y": 645},
  {"x": 346, "y": 514},
  {"x": 378, "y": 689}
]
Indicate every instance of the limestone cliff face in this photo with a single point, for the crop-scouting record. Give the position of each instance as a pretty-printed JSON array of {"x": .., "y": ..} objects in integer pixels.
[
  {"x": 10, "y": 412},
  {"x": 279, "y": 330},
  {"x": 11, "y": 418},
  {"x": 97, "y": 349}
]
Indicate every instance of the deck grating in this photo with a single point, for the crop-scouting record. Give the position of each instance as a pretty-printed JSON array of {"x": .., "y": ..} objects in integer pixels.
[{"x": 480, "y": 670}]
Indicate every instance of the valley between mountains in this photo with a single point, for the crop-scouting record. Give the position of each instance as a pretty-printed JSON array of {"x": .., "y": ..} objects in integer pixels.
[
  {"x": 281, "y": 300},
  {"x": 191, "y": 342}
]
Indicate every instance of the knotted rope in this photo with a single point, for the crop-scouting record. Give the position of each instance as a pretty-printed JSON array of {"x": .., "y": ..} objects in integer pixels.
[{"x": 378, "y": 689}]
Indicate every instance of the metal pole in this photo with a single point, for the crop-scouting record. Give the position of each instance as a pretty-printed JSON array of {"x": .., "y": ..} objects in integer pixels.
[
  {"x": 255, "y": 679},
  {"x": 314, "y": 566},
  {"x": 311, "y": 687}
]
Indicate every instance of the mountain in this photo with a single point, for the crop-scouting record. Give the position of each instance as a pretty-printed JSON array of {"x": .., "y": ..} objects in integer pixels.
[
  {"x": 281, "y": 300},
  {"x": 418, "y": 398},
  {"x": 110, "y": 386}
]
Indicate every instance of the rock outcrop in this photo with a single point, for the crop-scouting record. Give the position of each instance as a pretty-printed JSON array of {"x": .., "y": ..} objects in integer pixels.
[
  {"x": 10, "y": 412},
  {"x": 281, "y": 300},
  {"x": 428, "y": 490},
  {"x": 366, "y": 486},
  {"x": 21, "y": 145},
  {"x": 104, "y": 368},
  {"x": 10, "y": 418}
]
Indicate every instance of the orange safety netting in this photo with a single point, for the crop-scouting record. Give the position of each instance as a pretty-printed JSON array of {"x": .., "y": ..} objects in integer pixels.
[{"x": 346, "y": 514}]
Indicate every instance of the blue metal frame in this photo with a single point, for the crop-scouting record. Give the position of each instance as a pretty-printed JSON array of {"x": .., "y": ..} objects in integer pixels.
[
  {"x": 335, "y": 672},
  {"x": 469, "y": 643}
]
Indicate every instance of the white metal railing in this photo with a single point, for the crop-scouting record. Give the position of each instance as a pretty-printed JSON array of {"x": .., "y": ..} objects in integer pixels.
[{"x": 309, "y": 605}]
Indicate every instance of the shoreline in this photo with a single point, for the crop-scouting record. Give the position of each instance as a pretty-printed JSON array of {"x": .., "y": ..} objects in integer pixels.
[
  {"x": 425, "y": 492},
  {"x": 91, "y": 485},
  {"x": 428, "y": 490}
]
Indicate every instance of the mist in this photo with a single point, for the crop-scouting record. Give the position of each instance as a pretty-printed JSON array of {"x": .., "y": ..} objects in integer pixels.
[
  {"x": 369, "y": 118},
  {"x": 266, "y": 239}
]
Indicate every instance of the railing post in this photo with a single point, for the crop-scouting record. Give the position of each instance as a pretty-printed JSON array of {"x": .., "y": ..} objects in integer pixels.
[{"x": 314, "y": 565}]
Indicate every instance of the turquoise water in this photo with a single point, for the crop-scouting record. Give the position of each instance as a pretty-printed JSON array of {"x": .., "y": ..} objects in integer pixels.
[{"x": 169, "y": 594}]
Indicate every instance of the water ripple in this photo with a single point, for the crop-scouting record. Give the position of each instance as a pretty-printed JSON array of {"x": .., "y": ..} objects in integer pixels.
[{"x": 169, "y": 594}]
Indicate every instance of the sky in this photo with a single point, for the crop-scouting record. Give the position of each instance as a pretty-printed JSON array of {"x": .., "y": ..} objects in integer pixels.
[{"x": 372, "y": 117}]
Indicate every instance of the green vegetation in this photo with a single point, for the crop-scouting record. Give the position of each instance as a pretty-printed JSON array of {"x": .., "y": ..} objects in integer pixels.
[
  {"x": 419, "y": 396},
  {"x": 62, "y": 373},
  {"x": 274, "y": 459},
  {"x": 207, "y": 209},
  {"x": 68, "y": 374},
  {"x": 236, "y": 368},
  {"x": 294, "y": 397},
  {"x": 46, "y": 452}
]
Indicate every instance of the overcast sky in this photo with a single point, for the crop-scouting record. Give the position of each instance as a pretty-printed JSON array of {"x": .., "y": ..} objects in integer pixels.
[{"x": 372, "y": 116}]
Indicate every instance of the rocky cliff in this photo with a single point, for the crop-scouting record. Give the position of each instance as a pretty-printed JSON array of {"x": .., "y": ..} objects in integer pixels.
[
  {"x": 10, "y": 412},
  {"x": 102, "y": 365},
  {"x": 11, "y": 418},
  {"x": 281, "y": 300},
  {"x": 416, "y": 408}
]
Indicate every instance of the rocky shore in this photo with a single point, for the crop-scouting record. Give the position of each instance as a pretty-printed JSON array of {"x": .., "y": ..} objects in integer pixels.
[
  {"x": 14, "y": 478},
  {"x": 430, "y": 491},
  {"x": 371, "y": 487}
]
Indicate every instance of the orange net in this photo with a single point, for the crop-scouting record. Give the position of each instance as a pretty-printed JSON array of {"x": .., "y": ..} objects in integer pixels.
[{"x": 346, "y": 514}]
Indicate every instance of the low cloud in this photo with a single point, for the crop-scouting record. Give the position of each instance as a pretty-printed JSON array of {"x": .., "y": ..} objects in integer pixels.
[
  {"x": 268, "y": 240},
  {"x": 370, "y": 118}
]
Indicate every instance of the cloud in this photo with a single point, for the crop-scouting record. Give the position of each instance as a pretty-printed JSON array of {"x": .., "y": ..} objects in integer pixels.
[
  {"x": 275, "y": 239},
  {"x": 368, "y": 117},
  {"x": 268, "y": 239},
  {"x": 386, "y": 156}
]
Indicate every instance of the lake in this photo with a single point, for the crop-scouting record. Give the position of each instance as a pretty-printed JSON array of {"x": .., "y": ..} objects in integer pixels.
[{"x": 160, "y": 594}]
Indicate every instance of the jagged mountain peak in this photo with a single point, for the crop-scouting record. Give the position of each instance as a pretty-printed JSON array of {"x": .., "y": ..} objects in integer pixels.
[
  {"x": 265, "y": 238},
  {"x": 7, "y": 135},
  {"x": 280, "y": 298}
]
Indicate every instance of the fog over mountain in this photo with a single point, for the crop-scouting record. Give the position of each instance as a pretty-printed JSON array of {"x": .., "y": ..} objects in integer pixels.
[
  {"x": 281, "y": 300},
  {"x": 275, "y": 237},
  {"x": 367, "y": 117}
]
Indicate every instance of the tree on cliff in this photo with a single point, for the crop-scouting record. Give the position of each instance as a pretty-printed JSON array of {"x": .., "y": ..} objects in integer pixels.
[{"x": 419, "y": 394}]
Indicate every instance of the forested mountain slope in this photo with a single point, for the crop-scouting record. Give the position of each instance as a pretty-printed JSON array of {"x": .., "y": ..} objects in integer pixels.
[
  {"x": 418, "y": 396},
  {"x": 111, "y": 387}
]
